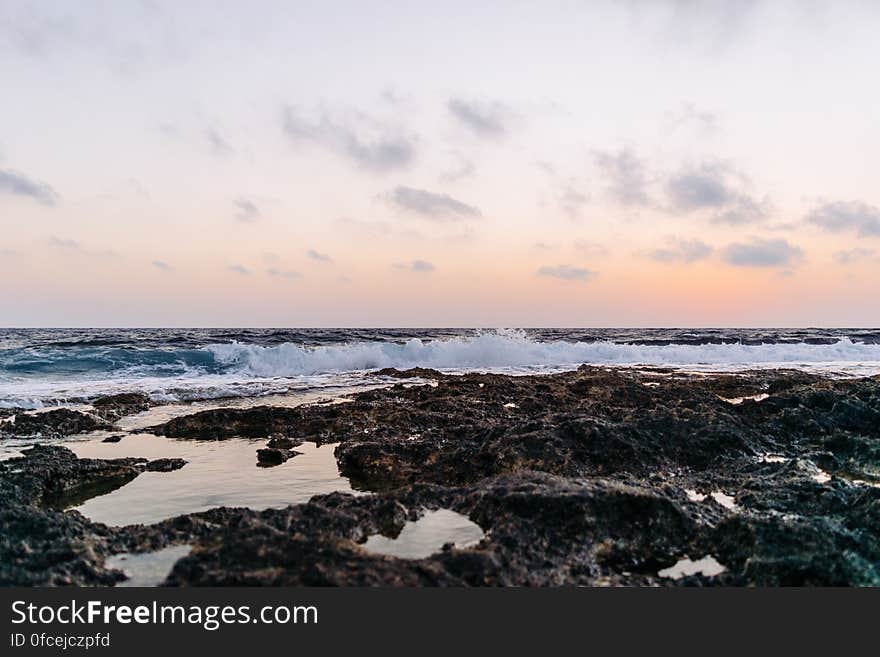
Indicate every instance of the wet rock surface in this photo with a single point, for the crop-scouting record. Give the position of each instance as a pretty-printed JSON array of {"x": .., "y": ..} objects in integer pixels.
[
  {"x": 40, "y": 544},
  {"x": 113, "y": 407},
  {"x": 594, "y": 477},
  {"x": 165, "y": 465},
  {"x": 56, "y": 423},
  {"x": 270, "y": 456}
]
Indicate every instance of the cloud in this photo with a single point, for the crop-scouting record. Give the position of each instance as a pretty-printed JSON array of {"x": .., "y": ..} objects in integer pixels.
[
  {"x": 568, "y": 195},
  {"x": 718, "y": 188},
  {"x": 567, "y": 272},
  {"x": 59, "y": 243},
  {"x": 16, "y": 183},
  {"x": 8, "y": 253},
  {"x": 164, "y": 266},
  {"x": 572, "y": 200},
  {"x": 35, "y": 31},
  {"x": 688, "y": 115},
  {"x": 239, "y": 269},
  {"x": 366, "y": 142},
  {"x": 593, "y": 249},
  {"x": 483, "y": 119},
  {"x": 279, "y": 273},
  {"x": 218, "y": 143},
  {"x": 762, "y": 253},
  {"x": 686, "y": 251},
  {"x": 72, "y": 246},
  {"x": 842, "y": 216},
  {"x": 432, "y": 205},
  {"x": 42, "y": 30},
  {"x": 247, "y": 211},
  {"x": 626, "y": 176},
  {"x": 318, "y": 257},
  {"x": 463, "y": 168},
  {"x": 393, "y": 97},
  {"x": 418, "y": 266},
  {"x": 853, "y": 256}
]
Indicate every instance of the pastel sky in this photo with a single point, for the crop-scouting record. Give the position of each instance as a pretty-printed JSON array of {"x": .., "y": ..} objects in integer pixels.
[{"x": 439, "y": 163}]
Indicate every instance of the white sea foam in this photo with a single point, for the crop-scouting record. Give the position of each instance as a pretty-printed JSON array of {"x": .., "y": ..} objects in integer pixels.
[
  {"x": 248, "y": 370},
  {"x": 514, "y": 350}
]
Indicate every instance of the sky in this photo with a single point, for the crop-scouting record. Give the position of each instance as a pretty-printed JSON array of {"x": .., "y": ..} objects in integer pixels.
[{"x": 673, "y": 163}]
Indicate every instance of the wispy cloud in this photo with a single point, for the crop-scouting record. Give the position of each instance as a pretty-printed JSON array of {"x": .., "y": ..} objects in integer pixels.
[
  {"x": 717, "y": 188},
  {"x": 368, "y": 143},
  {"x": 431, "y": 205},
  {"x": 571, "y": 199},
  {"x": 483, "y": 119},
  {"x": 239, "y": 269},
  {"x": 461, "y": 169},
  {"x": 317, "y": 256},
  {"x": 683, "y": 251},
  {"x": 568, "y": 192},
  {"x": 161, "y": 264},
  {"x": 843, "y": 216},
  {"x": 217, "y": 142},
  {"x": 418, "y": 266},
  {"x": 567, "y": 272},
  {"x": 282, "y": 273},
  {"x": 762, "y": 253},
  {"x": 592, "y": 249},
  {"x": 689, "y": 115},
  {"x": 853, "y": 256},
  {"x": 246, "y": 210},
  {"x": 63, "y": 243},
  {"x": 16, "y": 183},
  {"x": 626, "y": 176}
]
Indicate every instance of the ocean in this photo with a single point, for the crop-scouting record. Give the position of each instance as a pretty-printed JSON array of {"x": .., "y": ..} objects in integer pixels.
[{"x": 45, "y": 367}]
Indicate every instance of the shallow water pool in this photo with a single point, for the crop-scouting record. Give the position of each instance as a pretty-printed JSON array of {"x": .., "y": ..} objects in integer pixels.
[{"x": 218, "y": 473}]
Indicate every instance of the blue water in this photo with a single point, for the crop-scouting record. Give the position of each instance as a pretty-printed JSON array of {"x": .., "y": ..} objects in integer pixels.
[{"x": 48, "y": 366}]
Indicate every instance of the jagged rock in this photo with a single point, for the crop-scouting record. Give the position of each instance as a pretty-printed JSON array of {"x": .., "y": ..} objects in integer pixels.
[
  {"x": 270, "y": 456},
  {"x": 599, "y": 476},
  {"x": 114, "y": 407},
  {"x": 56, "y": 423},
  {"x": 165, "y": 465},
  {"x": 280, "y": 442}
]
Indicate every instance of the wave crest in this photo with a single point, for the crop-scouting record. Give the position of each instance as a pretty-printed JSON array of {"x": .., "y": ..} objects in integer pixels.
[{"x": 514, "y": 350}]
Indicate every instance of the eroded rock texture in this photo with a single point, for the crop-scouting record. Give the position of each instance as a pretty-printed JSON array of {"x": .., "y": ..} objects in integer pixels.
[{"x": 597, "y": 477}]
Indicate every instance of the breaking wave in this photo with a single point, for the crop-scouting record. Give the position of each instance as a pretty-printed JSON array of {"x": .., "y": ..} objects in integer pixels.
[
  {"x": 35, "y": 375},
  {"x": 514, "y": 350}
]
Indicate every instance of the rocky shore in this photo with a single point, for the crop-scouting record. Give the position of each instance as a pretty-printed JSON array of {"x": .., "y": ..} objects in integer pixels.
[{"x": 594, "y": 477}]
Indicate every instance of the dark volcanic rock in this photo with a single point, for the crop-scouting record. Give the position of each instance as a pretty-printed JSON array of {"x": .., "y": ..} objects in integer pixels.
[
  {"x": 280, "y": 442},
  {"x": 52, "y": 476},
  {"x": 270, "y": 456},
  {"x": 114, "y": 407},
  {"x": 113, "y": 439},
  {"x": 314, "y": 544},
  {"x": 411, "y": 373},
  {"x": 53, "y": 424},
  {"x": 599, "y": 476},
  {"x": 165, "y": 465},
  {"x": 220, "y": 423},
  {"x": 41, "y": 547}
]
